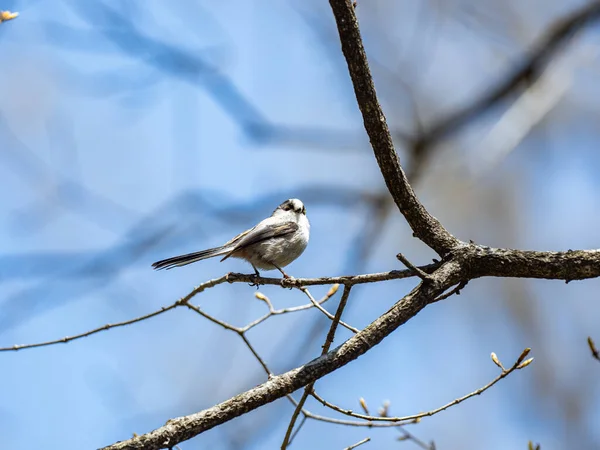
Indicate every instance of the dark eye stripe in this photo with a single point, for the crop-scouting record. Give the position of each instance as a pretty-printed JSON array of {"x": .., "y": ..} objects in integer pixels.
[{"x": 291, "y": 206}]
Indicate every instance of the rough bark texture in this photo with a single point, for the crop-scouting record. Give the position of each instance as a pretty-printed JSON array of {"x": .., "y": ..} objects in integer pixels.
[
  {"x": 424, "y": 226},
  {"x": 498, "y": 262}
]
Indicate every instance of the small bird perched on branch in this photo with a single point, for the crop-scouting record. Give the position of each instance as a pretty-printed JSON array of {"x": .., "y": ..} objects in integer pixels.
[{"x": 272, "y": 244}]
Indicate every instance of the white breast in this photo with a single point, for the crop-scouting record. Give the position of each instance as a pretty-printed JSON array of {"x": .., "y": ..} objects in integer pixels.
[{"x": 282, "y": 251}]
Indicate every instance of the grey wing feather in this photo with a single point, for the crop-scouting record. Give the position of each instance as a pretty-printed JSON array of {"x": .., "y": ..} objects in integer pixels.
[
  {"x": 256, "y": 235},
  {"x": 182, "y": 260}
]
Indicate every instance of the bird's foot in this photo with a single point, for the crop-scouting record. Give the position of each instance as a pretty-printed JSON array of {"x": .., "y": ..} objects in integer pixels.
[
  {"x": 288, "y": 281},
  {"x": 256, "y": 277}
]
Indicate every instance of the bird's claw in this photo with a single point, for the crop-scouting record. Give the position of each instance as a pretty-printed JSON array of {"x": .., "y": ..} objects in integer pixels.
[
  {"x": 288, "y": 281},
  {"x": 256, "y": 276}
]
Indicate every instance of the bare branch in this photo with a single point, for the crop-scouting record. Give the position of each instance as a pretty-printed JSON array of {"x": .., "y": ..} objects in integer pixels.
[
  {"x": 328, "y": 341},
  {"x": 276, "y": 312},
  {"x": 186, "y": 427},
  {"x": 421, "y": 274},
  {"x": 501, "y": 262},
  {"x": 406, "y": 436},
  {"x": 348, "y": 280},
  {"x": 350, "y": 423},
  {"x": 327, "y": 313},
  {"x": 593, "y": 349},
  {"x": 108, "y": 326},
  {"x": 424, "y": 225},
  {"x": 416, "y": 417},
  {"x": 359, "y": 443},
  {"x": 181, "y": 302},
  {"x": 184, "y": 301},
  {"x": 304, "y": 418},
  {"x": 456, "y": 290}
]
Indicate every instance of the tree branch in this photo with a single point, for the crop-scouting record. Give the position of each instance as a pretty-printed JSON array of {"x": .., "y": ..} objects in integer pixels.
[
  {"x": 358, "y": 444},
  {"x": 415, "y": 417},
  {"x": 502, "y": 262},
  {"x": 593, "y": 349},
  {"x": 184, "y": 301},
  {"x": 108, "y": 326},
  {"x": 426, "y": 227},
  {"x": 328, "y": 341},
  {"x": 181, "y": 302},
  {"x": 186, "y": 427},
  {"x": 347, "y": 280}
]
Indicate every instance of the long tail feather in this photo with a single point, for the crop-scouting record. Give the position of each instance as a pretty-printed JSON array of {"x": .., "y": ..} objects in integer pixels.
[{"x": 183, "y": 260}]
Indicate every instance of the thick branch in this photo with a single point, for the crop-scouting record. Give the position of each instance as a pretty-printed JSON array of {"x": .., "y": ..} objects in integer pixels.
[
  {"x": 183, "y": 428},
  {"x": 424, "y": 226},
  {"x": 499, "y": 262}
]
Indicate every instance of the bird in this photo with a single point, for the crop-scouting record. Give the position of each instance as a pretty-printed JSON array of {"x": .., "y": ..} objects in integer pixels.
[{"x": 272, "y": 244}]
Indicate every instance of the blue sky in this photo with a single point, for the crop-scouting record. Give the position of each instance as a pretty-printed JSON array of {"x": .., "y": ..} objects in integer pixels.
[{"x": 133, "y": 134}]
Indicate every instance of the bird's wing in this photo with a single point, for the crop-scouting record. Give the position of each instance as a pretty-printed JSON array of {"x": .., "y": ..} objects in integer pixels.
[
  {"x": 260, "y": 234},
  {"x": 238, "y": 238},
  {"x": 189, "y": 258}
]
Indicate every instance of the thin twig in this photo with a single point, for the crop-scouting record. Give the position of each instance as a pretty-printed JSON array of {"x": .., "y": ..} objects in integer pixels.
[
  {"x": 327, "y": 313},
  {"x": 181, "y": 302},
  {"x": 276, "y": 312},
  {"x": 421, "y": 274},
  {"x": 108, "y": 326},
  {"x": 302, "y": 422},
  {"x": 184, "y": 301},
  {"x": 256, "y": 355},
  {"x": 299, "y": 406},
  {"x": 346, "y": 280},
  {"x": 328, "y": 341},
  {"x": 456, "y": 290},
  {"x": 278, "y": 386},
  {"x": 406, "y": 436},
  {"x": 415, "y": 417},
  {"x": 213, "y": 319},
  {"x": 351, "y": 423},
  {"x": 353, "y": 446},
  {"x": 241, "y": 332},
  {"x": 593, "y": 349}
]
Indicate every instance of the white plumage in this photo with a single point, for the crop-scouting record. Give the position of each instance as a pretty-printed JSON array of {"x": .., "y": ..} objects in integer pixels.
[{"x": 272, "y": 244}]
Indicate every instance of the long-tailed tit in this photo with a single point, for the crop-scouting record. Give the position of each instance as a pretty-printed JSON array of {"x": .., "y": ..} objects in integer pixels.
[{"x": 272, "y": 244}]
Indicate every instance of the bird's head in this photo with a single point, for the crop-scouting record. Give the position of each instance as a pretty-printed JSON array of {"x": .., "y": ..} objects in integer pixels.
[{"x": 292, "y": 205}]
